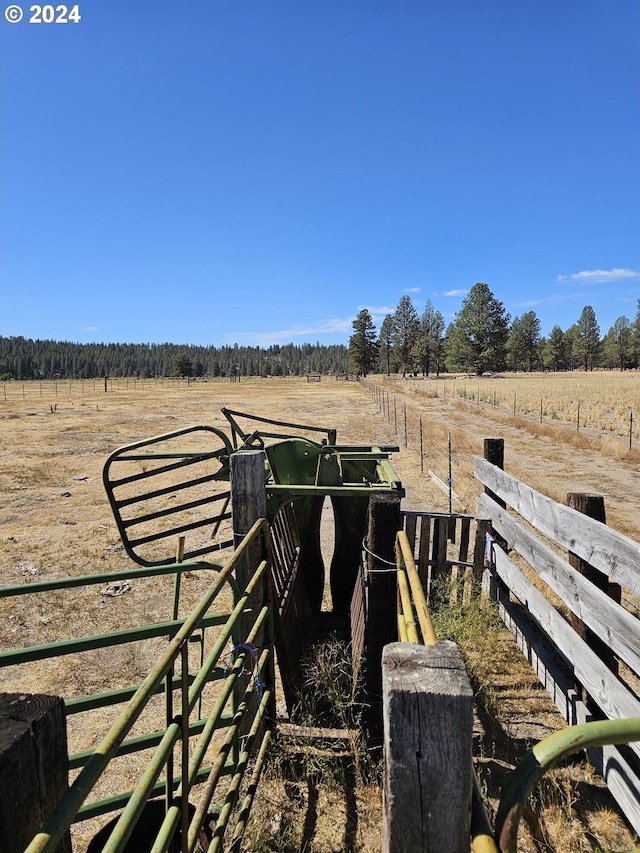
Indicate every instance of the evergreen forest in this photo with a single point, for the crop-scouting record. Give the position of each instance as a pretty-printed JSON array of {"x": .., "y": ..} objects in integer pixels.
[
  {"x": 23, "y": 358},
  {"x": 482, "y": 338}
]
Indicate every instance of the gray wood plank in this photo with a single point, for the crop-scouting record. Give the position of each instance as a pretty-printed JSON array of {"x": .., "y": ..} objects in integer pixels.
[
  {"x": 606, "y": 690},
  {"x": 611, "y": 552},
  {"x": 618, "y": 628}
]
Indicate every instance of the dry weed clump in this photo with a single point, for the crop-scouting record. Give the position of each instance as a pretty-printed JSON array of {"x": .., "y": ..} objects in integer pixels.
[
  {"x": 321, "y": 792},
  {"x": 603, "y": 444}
]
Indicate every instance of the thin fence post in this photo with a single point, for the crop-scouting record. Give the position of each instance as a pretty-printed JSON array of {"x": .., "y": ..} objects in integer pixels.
[
  {"x": 406, "y": 440},
  {"x": 421, "y": 455},
  {"x": 578, "y": 418},
  {"x": 630, "y": 426},
  {"x": 428, "y": 728}
]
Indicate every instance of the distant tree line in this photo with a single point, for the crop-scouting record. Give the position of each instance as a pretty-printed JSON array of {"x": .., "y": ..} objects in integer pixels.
[
  {"x": 23, "y": 358},
  {"x": 484, "y": 338}
]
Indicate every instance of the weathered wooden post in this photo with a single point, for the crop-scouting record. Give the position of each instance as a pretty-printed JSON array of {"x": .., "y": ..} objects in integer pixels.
[
  {"x": 350, "y": 520},
  {"x": 428, "y": 727},
  {"x": 593, "y": 506},
  {"x": 494, "y": 453},
  {"x": 482, "y": 528},
  {"x": 382, "y": 602},
  {"x": 248, "y": 504},
  {"x": 33, "y": 767}
]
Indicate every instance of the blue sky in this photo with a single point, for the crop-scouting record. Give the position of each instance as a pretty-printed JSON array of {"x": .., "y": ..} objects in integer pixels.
[{"x": 213, "y": 173}]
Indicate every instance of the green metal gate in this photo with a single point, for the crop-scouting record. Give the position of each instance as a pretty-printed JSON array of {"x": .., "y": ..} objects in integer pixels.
[{"x": 218, "y": 711}]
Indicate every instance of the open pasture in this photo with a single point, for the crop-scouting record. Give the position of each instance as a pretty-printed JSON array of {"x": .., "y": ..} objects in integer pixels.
[
  {"x": 603, "y": 401},
  {"x": 55, "y": 522}
]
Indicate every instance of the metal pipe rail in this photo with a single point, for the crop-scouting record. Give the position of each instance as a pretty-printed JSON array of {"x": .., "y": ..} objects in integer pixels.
[
  {"x": 545, "y": 755},
  {"x": 411, "y": 597},
  {"x": 248, "y": 712}
]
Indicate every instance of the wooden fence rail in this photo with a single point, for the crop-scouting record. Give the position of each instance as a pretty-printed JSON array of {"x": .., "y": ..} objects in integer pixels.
[
  {"x": 579, "y": 681},
  {"x": 447, "y": 546}
]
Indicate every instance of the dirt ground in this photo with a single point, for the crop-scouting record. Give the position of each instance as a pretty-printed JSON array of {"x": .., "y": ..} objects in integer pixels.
[{"x": 55, "y": 520}]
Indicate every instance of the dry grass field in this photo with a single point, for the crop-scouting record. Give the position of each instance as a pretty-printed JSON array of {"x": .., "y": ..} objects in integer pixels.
[
  {"x": 55, "y": 522},
  {"x": 607, "y": 402}
]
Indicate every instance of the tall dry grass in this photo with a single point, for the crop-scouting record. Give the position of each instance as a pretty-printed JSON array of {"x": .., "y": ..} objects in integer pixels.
[{"x": 608, "y": 402}]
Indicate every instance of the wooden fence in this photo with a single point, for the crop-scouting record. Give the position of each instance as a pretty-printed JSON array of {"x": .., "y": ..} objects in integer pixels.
[
  {"x": 543, "y": 581},
  {"x": 447, "y": 547}
]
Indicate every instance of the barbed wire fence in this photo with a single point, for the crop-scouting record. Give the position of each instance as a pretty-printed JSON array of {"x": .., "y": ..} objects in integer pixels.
[
  {"x": 438, "y": 458},
  {"x": 540, "y": 408}
]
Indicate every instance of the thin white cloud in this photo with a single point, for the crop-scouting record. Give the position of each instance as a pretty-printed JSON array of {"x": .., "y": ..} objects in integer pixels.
[
  {"x": 379, "y": 309},
  {"x": 90, "y": 328},
  {"x": 598, "y": 276},
  {"x": 455, "y": 292},
  {"x": 411, "y": 290},
  {"x": 543, "y": 300},
  {"x": 308, "y": 332},
  {"x": 378, "y": 312}
]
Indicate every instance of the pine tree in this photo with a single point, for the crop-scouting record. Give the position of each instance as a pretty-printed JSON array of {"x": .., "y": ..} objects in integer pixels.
[
  {"x": 515, "y": 344},
  {"x": 554, "y": 350},
  {"x": 477, "y": 339},
  {"x": 588, "y": 340},
  {"x": 617, "y": 346},
  {"x": 405, "y": 333},
  {"x": 363, "y": 347},
  {"x": 385, "y": 343},
  {"x": 530, "y": 330},
  {"x": 427, "y": 350},
  {"x": 181, "y": 365}
]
